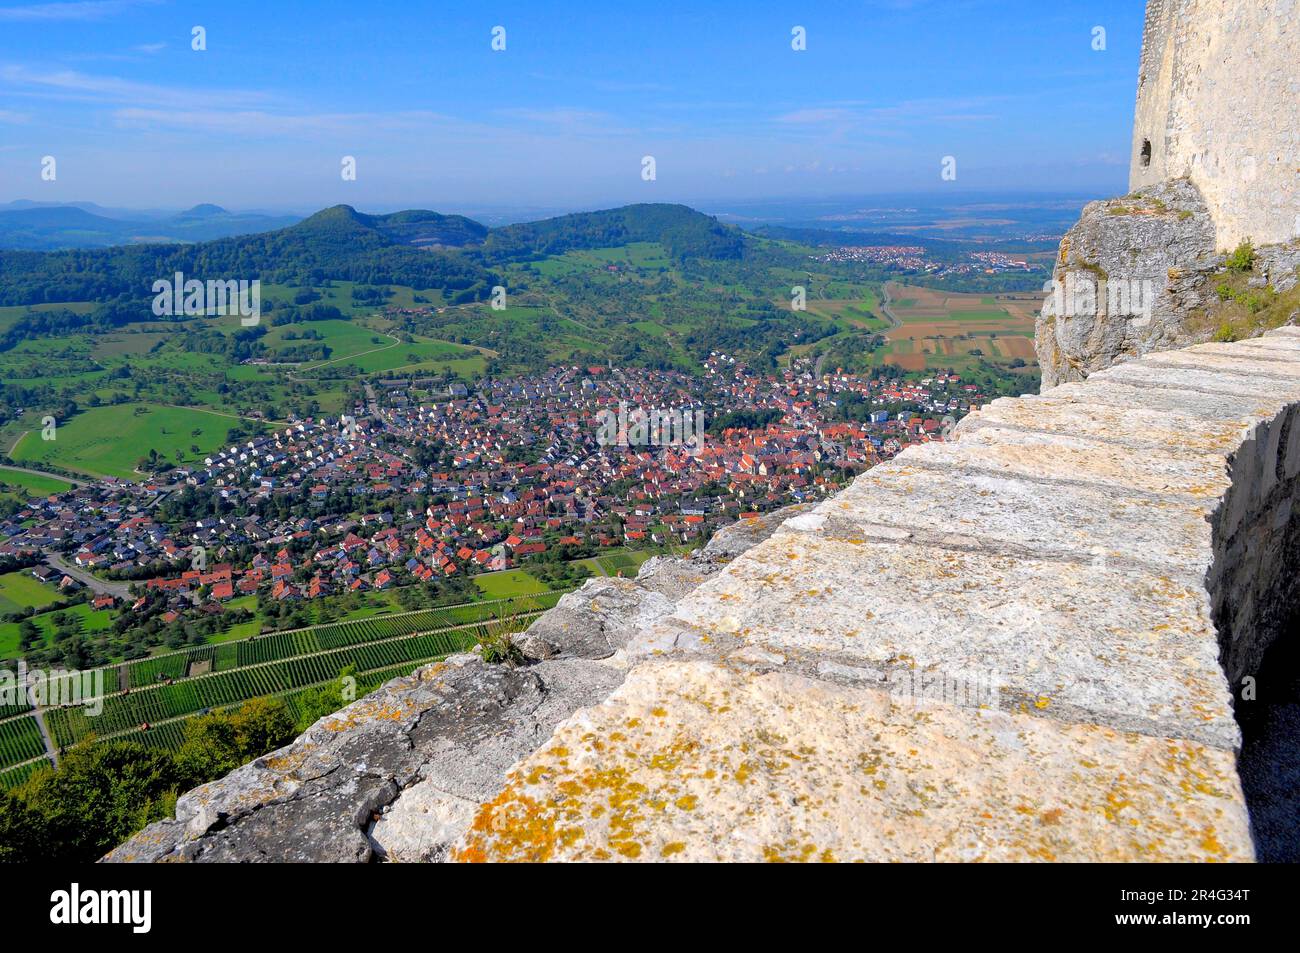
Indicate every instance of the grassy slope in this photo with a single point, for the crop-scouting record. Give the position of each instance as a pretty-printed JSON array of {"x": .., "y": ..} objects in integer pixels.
[{"x": 108, "y": 441}]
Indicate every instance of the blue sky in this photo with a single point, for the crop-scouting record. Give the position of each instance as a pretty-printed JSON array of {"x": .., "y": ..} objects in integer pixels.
[{"x": 1013, "y": 89}]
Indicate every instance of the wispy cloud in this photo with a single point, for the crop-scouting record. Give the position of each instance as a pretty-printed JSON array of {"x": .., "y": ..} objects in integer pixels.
[
  {"x": 571, "y": 120},
  {"x": 263, "y": 123},
  {"x": 80, "y": 10},
  {"x": 938, "y": 110},
  {"x": 825, "y": 114},
  {"x": 86, "y": 87},
  {"x": 9, "y": 116}
]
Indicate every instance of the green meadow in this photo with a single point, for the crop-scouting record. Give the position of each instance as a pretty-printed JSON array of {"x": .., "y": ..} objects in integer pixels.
[
  {"x": 87, "y": 619},
  {"x": 109, "y": 441},
  {"x": 509, "y": 582},
  {"x": 18, "y": 483},
  {"x": 20, "y": 590}
]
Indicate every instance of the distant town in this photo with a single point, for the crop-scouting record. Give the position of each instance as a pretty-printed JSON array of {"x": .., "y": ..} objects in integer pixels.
[
  {"x": 913, "y": 259},
  {"x": 422, "y": 486}
]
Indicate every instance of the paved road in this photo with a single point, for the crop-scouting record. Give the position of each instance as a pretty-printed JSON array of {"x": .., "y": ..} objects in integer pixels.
[
  {"x": 118, "y": 589},
  {"x": 890, "y": 317}
]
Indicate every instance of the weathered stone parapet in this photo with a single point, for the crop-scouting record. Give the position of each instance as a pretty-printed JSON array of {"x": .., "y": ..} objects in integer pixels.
[
  {"x": 701, "y": 761},
  {"x": 1006, "y": 647}
]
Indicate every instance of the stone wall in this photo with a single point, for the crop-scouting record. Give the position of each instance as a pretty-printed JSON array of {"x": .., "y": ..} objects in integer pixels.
[
  {"x": 1199, "y": 57},
  {"x": 1022, "y": 644}
]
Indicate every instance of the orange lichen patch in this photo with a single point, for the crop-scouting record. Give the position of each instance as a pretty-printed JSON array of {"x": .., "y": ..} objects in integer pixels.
[
  {"x": 288, "y": 763},
  {"x": 789, "y": 852},
  {"x": 778, "y": 767},
  {"x": 367, "y": 713},
  {"x": 521, "y": 824}
]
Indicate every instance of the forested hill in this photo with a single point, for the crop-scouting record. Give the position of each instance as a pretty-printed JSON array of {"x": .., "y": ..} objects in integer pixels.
[
  {"x": 417, "y": 248},
  {"x": 338, "y": 243},
  {"x": 684, "y": 233}
]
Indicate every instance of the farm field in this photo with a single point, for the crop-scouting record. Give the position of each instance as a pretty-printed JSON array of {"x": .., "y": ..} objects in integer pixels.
[
  {"x": 343, "y": 338},
  {"x": 20, "y": 740},
  {"x": 625, "y": 561},
  {"x": 941, "y": 330},
  {"x": 164, "y": 691},
  {"x": 851, "y": 314},
  {"x": 366, "y": 645},
  {"x": 12, "y": 777},
  {"x": 227, "y": 655},
  {"x": 421, "y": 355},
  {"x": 109, "y": 441},
  {"x": 19, "y": 590},
  {"x": 170, "y": 735}
]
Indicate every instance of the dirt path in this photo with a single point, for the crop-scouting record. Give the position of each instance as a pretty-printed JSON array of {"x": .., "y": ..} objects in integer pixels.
[{"x": 50, "y": 751}]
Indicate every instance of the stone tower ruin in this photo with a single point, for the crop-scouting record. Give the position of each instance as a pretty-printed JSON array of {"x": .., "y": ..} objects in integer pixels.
[{"x": 1218, "y": 102}]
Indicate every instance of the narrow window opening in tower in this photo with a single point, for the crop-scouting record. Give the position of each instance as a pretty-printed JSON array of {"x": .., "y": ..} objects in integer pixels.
[{"x": 1146, "y": 153}]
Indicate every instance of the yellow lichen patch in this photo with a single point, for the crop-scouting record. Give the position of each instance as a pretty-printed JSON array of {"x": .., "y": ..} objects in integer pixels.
[{"x": 742, "y": 765}]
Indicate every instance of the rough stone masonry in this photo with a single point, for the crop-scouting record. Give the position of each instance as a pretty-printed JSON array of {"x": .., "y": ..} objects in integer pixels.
[{"x": 1018, "y": 645}]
